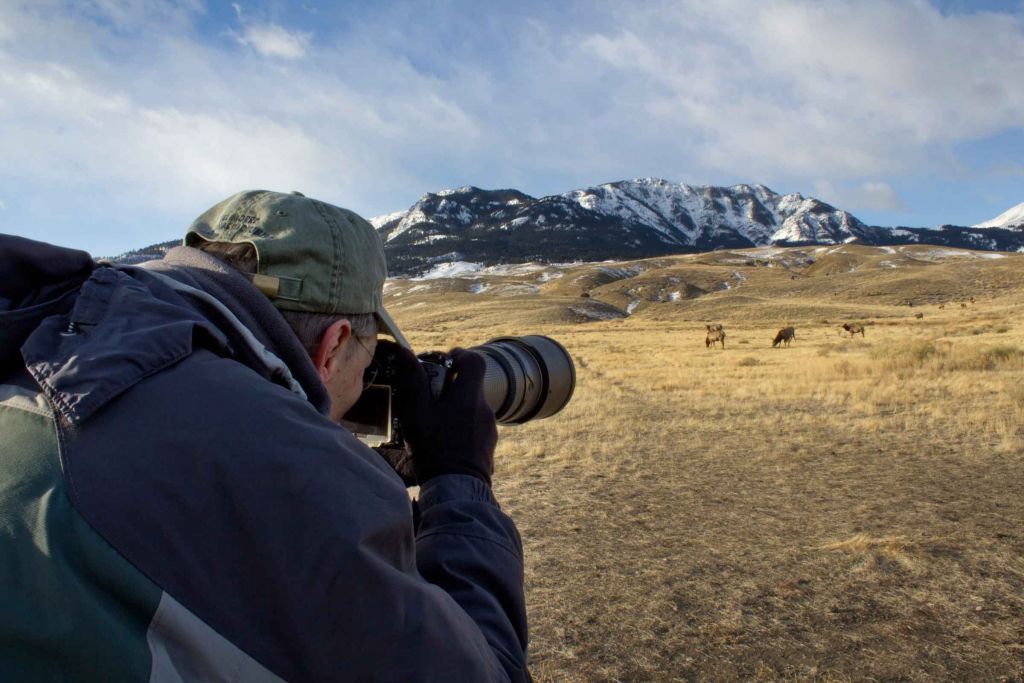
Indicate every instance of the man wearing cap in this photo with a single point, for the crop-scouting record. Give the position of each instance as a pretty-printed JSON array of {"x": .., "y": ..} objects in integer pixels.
[{"x": 177, "y": 499}]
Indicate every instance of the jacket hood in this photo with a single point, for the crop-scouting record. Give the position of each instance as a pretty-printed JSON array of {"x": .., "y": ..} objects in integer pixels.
[
  {"x": 37, "y": 280},
  {"x": 250, "y": 310},
  {"x": 118, "y": 332},
  {"x": 87, "y": 331}
]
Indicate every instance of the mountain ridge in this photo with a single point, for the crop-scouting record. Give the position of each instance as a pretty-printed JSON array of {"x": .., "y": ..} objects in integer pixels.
[
  {"x": 636, "y": 218},
  {"x": 629, "y": 219}
]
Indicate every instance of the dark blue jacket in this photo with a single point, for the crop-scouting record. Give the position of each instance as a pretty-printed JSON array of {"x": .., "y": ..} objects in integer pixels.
[{"x": 207, "y": 520}]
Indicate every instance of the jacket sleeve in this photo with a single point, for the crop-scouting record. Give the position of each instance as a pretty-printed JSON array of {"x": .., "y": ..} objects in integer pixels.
[
  {"x": 466, "y": 545},
  {"x": 292, "y": 540}
]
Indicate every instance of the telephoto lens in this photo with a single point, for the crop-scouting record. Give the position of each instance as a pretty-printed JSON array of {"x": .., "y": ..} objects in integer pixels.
[{"x": 527, "y": 378}]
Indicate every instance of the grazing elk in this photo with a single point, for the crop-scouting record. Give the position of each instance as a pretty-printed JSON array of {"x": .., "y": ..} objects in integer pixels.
[
  {"x": 853, "y": 328},
  {"x": 716, "y": 333},
  {"x": 784, "y": 336}
]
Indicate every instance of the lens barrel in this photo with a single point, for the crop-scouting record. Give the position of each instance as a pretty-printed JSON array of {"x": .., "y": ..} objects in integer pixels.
[{"x": 527, "y": 378}]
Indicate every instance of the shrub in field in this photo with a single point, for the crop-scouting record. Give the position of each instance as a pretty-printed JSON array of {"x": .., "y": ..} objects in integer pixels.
[
  {"x": 927, "y": 355},
  {"x": 998, "y": 328},
  {"x": 845, "y": 369},
  {"x": 1003, "y": 357},
  {"x": 907, "y": 357},
  {"x": 919, "y": 353},
  {"x": 748, "y": 362}
]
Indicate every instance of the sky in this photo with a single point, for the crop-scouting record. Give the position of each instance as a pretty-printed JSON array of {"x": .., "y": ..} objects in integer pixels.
[{"x": 123, "y": 120}]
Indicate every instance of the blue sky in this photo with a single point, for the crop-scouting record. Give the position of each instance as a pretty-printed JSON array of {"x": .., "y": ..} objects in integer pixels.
[{"x": 122, "y": 120}]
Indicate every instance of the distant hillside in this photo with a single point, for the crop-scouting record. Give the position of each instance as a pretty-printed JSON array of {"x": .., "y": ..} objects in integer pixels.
[{"x": 837, "y": 281}]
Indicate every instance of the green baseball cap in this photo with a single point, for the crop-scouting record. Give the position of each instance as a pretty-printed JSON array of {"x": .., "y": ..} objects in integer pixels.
[{"x": 312, "y": 256}]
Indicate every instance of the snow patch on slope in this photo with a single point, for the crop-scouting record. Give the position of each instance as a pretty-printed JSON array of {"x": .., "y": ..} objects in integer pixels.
[
  {"x": 451, "y": 269},
  {"x": 595, "y": 314}
]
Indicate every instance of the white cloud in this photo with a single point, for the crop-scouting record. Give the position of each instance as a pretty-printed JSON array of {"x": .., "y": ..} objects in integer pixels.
[
  {"x": 879, "y": 195},
  {"x": 123, "y": 13},
  {"x": 855, "y": 88},
  {"x": 81, "y": 133},
  {"x": 271, "y": 40},
  {"x": 188, "y": 124},
  {"x": 870, "y": 195},
  {"x": 132, "y": 100}
]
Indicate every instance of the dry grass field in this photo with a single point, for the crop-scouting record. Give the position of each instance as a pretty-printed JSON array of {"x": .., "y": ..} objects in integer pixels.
[{"x": 845, "y": 509}]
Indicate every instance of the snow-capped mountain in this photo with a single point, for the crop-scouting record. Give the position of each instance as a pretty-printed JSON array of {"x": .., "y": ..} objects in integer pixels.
[
  {"x": 677, "y": 214},
  {"x": 633, "y": 219},
  {"x": 689, "y": 215},
  {"x": 1013, "y": 217},
  {"x": 626, "y": 219}
]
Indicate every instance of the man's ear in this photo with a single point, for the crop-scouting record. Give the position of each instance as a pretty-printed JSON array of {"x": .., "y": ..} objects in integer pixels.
[{"x": 333, "y": 338}]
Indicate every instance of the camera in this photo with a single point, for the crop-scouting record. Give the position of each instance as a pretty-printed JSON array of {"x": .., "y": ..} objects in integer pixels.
[{"x": 526, "y": 378}]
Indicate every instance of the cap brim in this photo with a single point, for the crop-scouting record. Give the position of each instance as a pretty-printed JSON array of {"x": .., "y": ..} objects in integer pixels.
[{"x": 388, "y": 326}]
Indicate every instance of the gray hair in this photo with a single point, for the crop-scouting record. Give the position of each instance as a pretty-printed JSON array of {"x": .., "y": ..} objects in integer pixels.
[{"x": 308, "y": 327}]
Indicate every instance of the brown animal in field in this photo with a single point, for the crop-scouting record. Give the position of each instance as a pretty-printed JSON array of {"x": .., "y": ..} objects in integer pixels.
[
  {"x": 941, "y": 306},
  {"x": 919, "y": 315},
  {"x": 784, "y": 336},
  {"x": 853, "y": 328},
  {"x": 715, "y": 334},
  {"x": 963, "y": 305}
]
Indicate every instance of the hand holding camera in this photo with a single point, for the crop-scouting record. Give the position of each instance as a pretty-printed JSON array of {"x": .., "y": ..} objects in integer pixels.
[
  {"x": 434, "y": 413},
  {"x": 453, "y": 432}
]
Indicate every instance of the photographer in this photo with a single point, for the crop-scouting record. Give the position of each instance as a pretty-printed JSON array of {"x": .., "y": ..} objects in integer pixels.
[{"x": 177, "y": 499}]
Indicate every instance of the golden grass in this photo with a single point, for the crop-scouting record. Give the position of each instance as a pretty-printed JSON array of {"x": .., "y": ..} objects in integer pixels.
[{"x": 844, "y": 509}]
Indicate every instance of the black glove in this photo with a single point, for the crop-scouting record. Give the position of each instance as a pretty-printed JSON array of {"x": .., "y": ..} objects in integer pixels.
[{"x": 454, "y": 433}]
